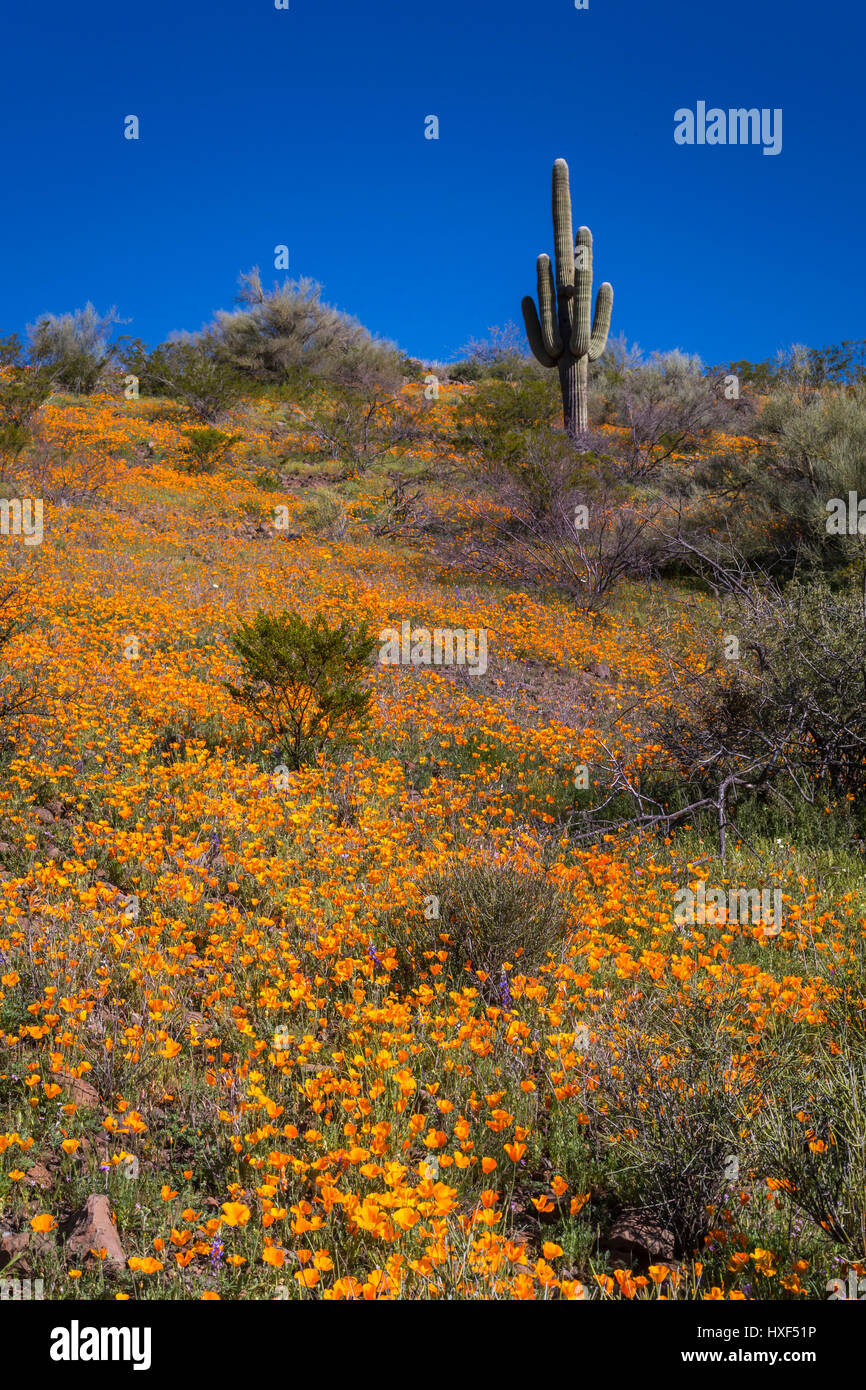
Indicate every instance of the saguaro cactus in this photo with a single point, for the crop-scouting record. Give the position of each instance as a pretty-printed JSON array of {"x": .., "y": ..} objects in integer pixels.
[{"x": 558, "y": 331}]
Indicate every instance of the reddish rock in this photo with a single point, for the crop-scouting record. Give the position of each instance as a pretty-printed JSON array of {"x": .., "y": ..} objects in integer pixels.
[
  {"x": 638, "y": 1238},
  {"x": 81, "y": 1091},
  {"x": 91, "y": 1228},
  {"x": 39, "y": 1176}
]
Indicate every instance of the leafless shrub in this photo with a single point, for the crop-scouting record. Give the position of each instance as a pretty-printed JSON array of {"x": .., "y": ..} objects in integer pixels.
[
  {"x": 669, "y": 407},
  {"x": 360, "y": 425},
  {"x": 502, "y": 354},
  {"x": 584, "y": 561},
  {"x": 562, "y": 520},
  {"x": 404, "y": 515},
  {"x": 62, "y": 476},
  {"x": 775, "y": 710}
]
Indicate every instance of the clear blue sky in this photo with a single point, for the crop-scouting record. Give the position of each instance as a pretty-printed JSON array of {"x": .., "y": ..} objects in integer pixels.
[{"x": 306, "y": 127}]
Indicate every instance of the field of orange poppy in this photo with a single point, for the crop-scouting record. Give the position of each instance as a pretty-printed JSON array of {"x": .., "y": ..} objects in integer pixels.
[{"x": 381, "y": 1025}]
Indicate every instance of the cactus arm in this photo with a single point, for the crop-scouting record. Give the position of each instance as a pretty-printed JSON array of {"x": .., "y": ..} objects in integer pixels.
[
  {"x": 547, "y": 307},
  {"x": 562, "y": 237},
  {"x": 601, "y": 321},
  {"x": 580, "y": 333},
  {"x": 534, "y": 333}
]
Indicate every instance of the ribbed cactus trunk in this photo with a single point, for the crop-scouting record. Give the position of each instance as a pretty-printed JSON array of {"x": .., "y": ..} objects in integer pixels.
[
  {"x": 574, "y": 385},
  {"x": 559, "y": 331},
  {"x": 570, "y": 388},
  {"x": 582, "y": 395}
]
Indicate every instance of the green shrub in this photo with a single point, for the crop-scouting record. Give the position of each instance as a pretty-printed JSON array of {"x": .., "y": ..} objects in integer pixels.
[
  {"x": 188, "y": 371},
  {"x": 268, "y": 480},
  {"x": 494, "y": 423},
  {"x": 814, "y": 451},
  {"x": 772, "y": 502},
  {"x": 205, "y": 448},
  {"x": 23, "y": 389},
  {"x": 305, "y": 681}
]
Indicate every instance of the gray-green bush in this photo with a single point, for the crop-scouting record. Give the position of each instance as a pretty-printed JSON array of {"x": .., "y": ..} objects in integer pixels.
[
  {"x": 75, "y": 348},
  {"x": 481, "y": 914},
  {"x": 287, "y": 334}
]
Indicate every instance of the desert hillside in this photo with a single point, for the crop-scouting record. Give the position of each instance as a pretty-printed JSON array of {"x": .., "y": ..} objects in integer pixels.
[{"x": 431, "y": 847}]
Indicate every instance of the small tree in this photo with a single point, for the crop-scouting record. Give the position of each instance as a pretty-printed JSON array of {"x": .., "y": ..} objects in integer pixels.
[
  {"x": 287, "y": 334},
  {"x": 189, "y": 371},
  {"x": 74, "y": 347},
  {"x": 304, "y": 680}
]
